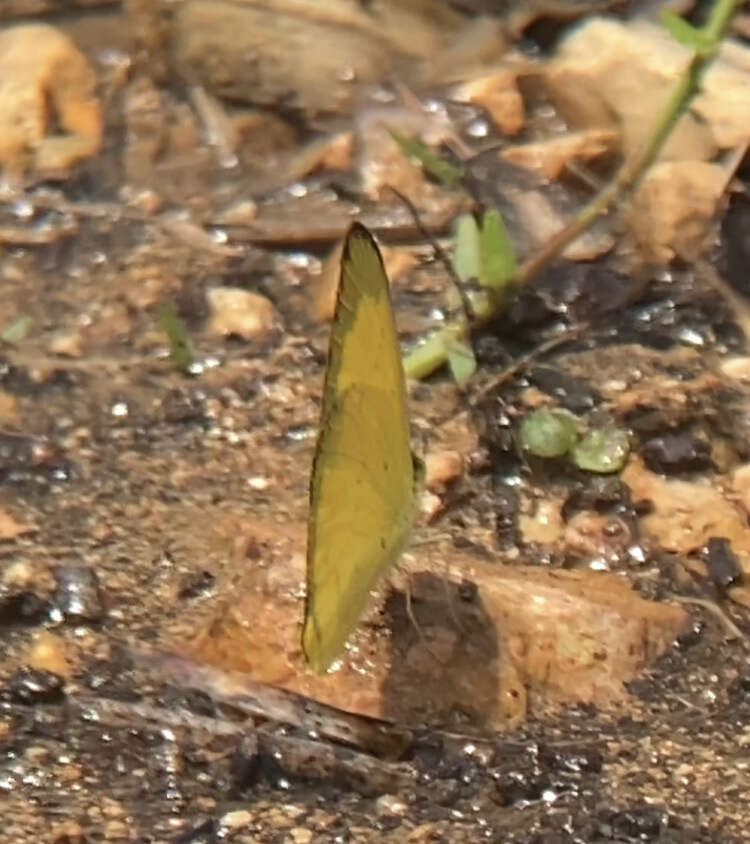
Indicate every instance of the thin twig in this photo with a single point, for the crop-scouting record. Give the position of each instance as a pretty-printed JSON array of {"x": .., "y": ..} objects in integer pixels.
[
  {"x": 439, "y": 252},
  {"x": 625, "y": 181},
  {"x": 714, "y": 609},
  {"x": 524, "y": 360}
]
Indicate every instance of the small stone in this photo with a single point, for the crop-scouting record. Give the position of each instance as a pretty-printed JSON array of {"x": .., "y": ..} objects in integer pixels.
[
  {"x": 242, "y": 213},
  {"x": 736, "y": 368},
  {"x": 300, "y": 835},
  {"x": 245, "y": 764},
  {"x": 22, "y": 607},
  {"x": 233, "y": 821},
  {"x": 67, "y": 832},
  {"x": 29, "y": 687},
  {"x": 723, "y": 566},
  {"x": 441, "y": 468},
  {"x": 676, "y": 452},
  {"x": 36, "y": 755},
  {"x": 9, "y": 413},
  {"x": 67, "y": 344},
  {"x": 741, "y": 485},
  {"x": 45, "y": 81},
  {"x": 48, "y": 653},
  {"x": 147, "y": 201},
  {"x": 71, "y": 773},
  {"x": 498, "y": 94},
  {"x": 430, "y": 505},
  {"x": 77, "y": 593},
  {"x": 240, "y": 312},
  {"x": 116, "y": 831},
  {"x": 643, "y": 823},
  {"x": 389, "y": 804}
]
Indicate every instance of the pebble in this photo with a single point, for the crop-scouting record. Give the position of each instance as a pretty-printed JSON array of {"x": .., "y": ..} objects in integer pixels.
[
  {"x": 48, "y": 653},
  {"x": 240, "y": 312},
  {"x": 676, "y": 452},
  {"x": 66, "y": 832},
  {"x": 116, "y": 831},
  {"x": 441, "y": 468},
  {"x": 77, "y": 593},
  {"x": 232, "y": 821},
  {"x": 390, "y": 804},
  {"x": 723, "y": 565},
  {"x": 67, "y": 344},
  {"x": 29, "y": 686},
  {"x": 22, "y": 608},
  {"x": 300, "y": 835}
]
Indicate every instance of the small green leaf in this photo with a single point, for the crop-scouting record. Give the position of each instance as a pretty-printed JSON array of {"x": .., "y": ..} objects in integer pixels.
[
  {"x": 602, "y": 450},
  {"x": 466, "y": 256},
  {"x": 461, "y": 360},
  {"x": 445, "y": 172},
  {"x": 16, "y": 330},
  {"x": 548, "y": 432},
  {"x": 497, "y": 257},
  {"x": 180, "y": 350},
  {"x": 685, "y": 32}
]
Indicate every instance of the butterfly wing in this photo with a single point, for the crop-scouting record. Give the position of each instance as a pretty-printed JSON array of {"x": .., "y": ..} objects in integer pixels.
[{"x": 362, "y": 488}]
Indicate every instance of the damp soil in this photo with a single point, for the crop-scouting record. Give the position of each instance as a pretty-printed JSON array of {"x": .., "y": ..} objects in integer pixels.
[{"x": 122, "y": 466}]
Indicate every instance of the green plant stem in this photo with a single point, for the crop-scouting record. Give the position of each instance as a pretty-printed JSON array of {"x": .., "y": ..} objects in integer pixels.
[{"x": 431, "y": 355}]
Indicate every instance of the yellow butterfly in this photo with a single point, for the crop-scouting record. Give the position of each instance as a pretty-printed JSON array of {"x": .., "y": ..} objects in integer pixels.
[{"x": 364, "y": 477}]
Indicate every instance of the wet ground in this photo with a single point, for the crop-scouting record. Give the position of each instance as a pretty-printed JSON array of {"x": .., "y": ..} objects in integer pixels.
[{"x": 138, "y": 503}]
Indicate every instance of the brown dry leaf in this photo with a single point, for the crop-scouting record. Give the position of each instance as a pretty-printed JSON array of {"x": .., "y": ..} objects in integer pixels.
[
  {"x": 45, "y": 81},
  {"x": 550, "y": 157},
  {"x": 498, "y": 94},
  {"x": 333, "y": 152},
  {"x": 11, "y": 528}
]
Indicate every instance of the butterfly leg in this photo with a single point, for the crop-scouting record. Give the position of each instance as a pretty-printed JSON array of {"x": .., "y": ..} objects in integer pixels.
[{"x": 415, "y": 624}]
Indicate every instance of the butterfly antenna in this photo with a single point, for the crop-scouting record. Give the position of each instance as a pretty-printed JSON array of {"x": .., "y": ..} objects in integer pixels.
[{"x": 440, "y": 253}]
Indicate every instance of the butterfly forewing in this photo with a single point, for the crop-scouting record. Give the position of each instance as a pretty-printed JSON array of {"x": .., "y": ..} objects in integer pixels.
[{"x": 362, "y": 486}]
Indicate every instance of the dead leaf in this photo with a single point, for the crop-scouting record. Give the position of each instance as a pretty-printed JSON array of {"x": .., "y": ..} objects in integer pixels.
[{"x": 11, "y": 528}]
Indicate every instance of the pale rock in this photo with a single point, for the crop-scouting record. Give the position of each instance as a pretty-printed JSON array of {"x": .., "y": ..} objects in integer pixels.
[
  {"x": 48, "y": 653},
  {"x": 673, "y": 211},
  {"x": 45, "y": 81},
  {"x": 530, "y": 637},
  {"x": 240, "y": 312},
  {"x": 67, "y": 344}
]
